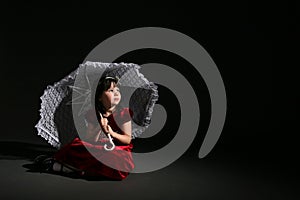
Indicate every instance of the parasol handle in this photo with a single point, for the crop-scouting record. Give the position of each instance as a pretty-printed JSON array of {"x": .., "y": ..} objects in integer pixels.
[{"x": 111, "y": 142}]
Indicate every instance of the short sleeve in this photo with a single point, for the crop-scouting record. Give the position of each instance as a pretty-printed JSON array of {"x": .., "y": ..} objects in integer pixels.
[{"x": 126, "y": 115}]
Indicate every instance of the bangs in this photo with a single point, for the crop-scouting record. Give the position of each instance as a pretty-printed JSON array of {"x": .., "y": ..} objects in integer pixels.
[{"x": 105, "y": 83}]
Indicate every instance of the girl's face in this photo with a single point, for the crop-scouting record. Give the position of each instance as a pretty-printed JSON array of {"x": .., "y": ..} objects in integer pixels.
[{"x": 111, "y": 97}]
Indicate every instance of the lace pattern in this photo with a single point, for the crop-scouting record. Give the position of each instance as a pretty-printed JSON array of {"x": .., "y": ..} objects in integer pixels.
[{"x": 56, "y": 113}]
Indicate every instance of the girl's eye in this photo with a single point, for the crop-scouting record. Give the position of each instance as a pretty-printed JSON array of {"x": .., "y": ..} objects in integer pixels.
[{"x": 111, "y": 90}]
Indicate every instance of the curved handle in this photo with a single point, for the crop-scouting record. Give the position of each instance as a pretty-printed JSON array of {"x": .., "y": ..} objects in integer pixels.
[{"x": 111, "y": 142}]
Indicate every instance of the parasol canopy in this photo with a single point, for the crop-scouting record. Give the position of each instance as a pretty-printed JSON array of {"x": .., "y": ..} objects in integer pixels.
[{"x": 64, "y": 104}]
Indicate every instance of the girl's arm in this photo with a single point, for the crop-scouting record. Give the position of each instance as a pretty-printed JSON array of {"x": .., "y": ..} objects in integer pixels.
[{"x": 126, "y": 137}]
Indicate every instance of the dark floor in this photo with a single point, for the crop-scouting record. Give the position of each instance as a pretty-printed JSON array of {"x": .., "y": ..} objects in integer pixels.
[{"x": 215, "y": 177}]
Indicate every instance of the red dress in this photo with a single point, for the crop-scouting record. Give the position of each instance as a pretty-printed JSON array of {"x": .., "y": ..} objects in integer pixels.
[{"x": 93, "y": 160}]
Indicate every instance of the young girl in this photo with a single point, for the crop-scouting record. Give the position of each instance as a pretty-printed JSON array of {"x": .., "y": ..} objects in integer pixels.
[{"x": 87, "y": 156}]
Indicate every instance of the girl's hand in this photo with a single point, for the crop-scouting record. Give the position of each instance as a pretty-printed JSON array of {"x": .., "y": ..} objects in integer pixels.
[
  {"x": 109, "y": 130},
  {"x": 104, "y": 124}
]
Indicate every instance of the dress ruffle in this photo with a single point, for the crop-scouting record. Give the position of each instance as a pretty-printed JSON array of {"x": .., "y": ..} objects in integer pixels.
[{"x": 90, "y": 159}]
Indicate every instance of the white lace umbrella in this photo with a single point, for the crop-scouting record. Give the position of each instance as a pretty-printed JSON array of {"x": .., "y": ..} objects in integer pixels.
[{"x": 65, "y": 103}]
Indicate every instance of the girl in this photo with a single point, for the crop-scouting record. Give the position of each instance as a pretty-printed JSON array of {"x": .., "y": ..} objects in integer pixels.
[{"x": 87, "y": 156}]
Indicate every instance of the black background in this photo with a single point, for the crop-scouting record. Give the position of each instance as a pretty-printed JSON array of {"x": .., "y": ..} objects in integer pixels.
[{"x": 254, "y": 45}]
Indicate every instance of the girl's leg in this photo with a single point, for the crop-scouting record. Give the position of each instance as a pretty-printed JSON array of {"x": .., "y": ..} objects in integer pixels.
[
  {"x": 49, "y": 164},
  {"x": 59, "y": 167}
]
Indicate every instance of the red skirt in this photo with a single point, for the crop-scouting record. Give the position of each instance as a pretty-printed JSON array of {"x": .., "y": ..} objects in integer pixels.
[{"x": 94, "y": 160}]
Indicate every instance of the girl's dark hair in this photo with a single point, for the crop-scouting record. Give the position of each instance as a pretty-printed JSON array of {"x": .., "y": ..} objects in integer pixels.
[{"x": 103, "y": 85}]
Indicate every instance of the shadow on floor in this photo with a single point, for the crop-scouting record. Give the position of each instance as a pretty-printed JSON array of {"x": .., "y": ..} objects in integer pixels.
[
  {"x": 32, "y": 168},
  {"x": 19, "y": 150},
  {"x": 26, "y": 151}
]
